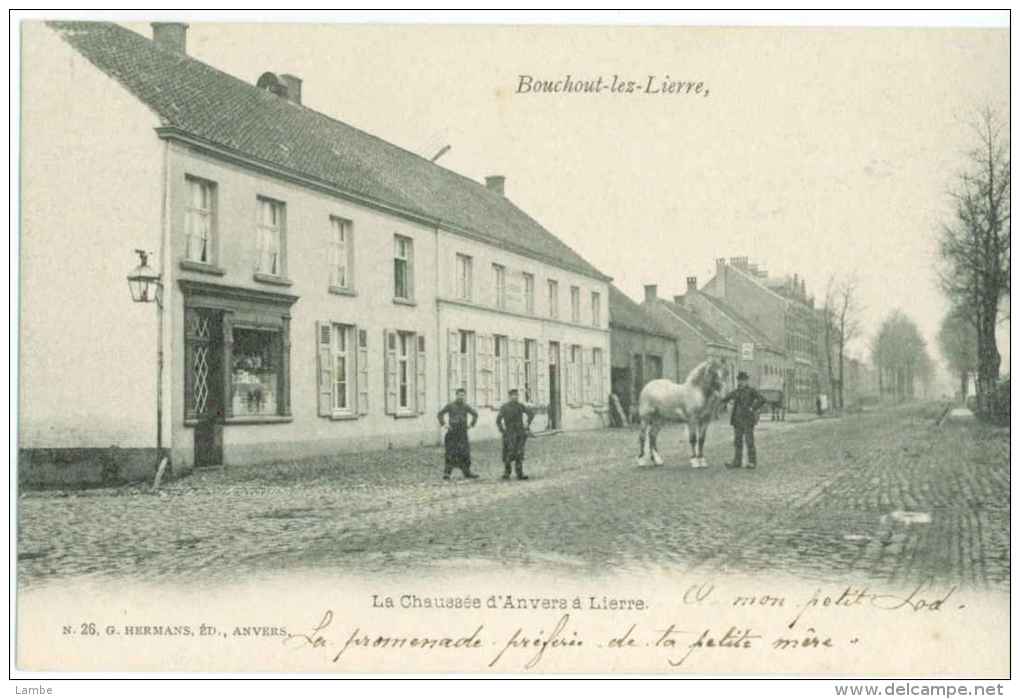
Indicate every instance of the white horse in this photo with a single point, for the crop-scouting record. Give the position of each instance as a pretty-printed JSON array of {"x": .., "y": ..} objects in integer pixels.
[{"x": 694, "y": 402}]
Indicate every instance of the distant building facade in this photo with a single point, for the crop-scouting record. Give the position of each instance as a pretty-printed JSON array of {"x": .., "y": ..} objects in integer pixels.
[
  {"x": 642, "y": 349},
  {"x": 781, "y": 308},
  {"x": 766, "y": 364}
]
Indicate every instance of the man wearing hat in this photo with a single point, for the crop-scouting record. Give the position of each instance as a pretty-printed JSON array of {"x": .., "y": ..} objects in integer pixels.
[
  {"x": 746, "y": 404},
  {"x": 510, "y": 421}
]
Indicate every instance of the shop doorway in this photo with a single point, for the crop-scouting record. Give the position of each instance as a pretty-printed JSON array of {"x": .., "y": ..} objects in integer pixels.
[{"x": 207, "y": 384}]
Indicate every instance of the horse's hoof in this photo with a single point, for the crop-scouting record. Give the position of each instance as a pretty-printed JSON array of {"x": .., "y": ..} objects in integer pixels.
[
  {"x": 641, "y": 463},
  {"x": 702, "y": 463},
  {"x": 657, "y": 460}
]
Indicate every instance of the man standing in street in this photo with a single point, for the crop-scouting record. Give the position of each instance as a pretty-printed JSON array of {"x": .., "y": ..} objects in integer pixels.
[
  {"x": 510, "y": 422},
  {"x": 746, "y": 404},
  {"x": 458, "y": 447}
]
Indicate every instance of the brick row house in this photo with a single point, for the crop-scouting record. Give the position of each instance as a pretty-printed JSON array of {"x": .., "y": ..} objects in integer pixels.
[
  {"x": 643, "y": 349},
  {"x": 765, "y": 363},
  {"x": 782, "y": 310},
  {"x": 324, "y": 290}
]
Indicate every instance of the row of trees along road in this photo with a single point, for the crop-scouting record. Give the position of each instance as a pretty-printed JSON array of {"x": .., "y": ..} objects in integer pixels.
[
  {"x": 900, "y": 356},
  {"x": 974, "y": 253},
  {"x": 841, "y": 325}
]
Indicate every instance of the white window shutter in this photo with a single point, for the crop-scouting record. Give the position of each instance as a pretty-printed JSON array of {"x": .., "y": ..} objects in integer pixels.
[
  {"x": 484, "y": 359},
  {"x": 390, "y": 354},
  {"x": 585, "y": 376},
  {"x": 606, "y": 380},
  {"x": 323, "y": 335},
  {"x": 516, "y": 365},
  {"x": 361, "y": 337},
  {"x": 420, "y": 366},
  {"x": 568, "y": 382},
  {"x": 542, "y": 374},
  {"x": 475, "y": 367},
  {"x": 453, "y": 362}
]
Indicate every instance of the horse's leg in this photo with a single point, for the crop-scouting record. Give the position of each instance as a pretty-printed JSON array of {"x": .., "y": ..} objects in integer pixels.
[
  {"x": 642, "y": 459},
  {"x": 654, "y": 436},
  {"x": 692, "y": 437},
  {"x": 702, "y": 433}
]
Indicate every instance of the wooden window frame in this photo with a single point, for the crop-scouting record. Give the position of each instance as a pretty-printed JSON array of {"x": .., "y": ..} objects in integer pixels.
[{"x": 281, "y": 239}]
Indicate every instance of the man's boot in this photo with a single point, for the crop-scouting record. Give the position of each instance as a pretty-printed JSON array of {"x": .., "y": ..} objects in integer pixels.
[
  {"x": 506, "y": 471},
  {"x": 520, "y": 471}
]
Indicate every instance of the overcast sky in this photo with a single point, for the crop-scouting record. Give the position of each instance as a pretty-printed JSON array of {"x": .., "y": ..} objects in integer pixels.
[{"x": 817, "y": 151}]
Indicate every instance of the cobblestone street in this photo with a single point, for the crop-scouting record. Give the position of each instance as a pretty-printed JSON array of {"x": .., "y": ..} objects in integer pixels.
[{"x": 884, "y": 495}]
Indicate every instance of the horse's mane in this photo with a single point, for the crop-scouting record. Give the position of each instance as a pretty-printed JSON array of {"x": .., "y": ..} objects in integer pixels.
[{"x": 698, "y": 376}]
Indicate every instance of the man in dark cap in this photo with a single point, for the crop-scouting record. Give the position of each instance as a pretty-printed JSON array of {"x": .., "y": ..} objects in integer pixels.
[
  {"x": 512, "y": 426},
  {"x": 746, "y": 404},
  {"x": 458, "y": 447}
]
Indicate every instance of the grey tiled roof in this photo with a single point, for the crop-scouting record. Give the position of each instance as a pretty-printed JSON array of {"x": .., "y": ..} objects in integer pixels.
[
  {"x": 750, "y": 328},
  {"x": 215, "y": 107},
  {"x": 625, "y": 313},
  {"x": 707, "y": 332}
]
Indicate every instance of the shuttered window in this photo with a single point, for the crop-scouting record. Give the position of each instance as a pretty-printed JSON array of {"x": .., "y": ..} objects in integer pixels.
[
  {"x": 343, "y": 369},
  {"x": 404, "y": 370}
]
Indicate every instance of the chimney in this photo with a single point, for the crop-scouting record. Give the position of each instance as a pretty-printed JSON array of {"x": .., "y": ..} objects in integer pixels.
[
  {"x": 692, "y": 284},
  {"x": 293, "y": 85},
  {"x": 496, "y": 183},
  {"x": 172, "y": 36},
  {"x": 740, "y": 263},
  {"x": 651, "y": 292}
]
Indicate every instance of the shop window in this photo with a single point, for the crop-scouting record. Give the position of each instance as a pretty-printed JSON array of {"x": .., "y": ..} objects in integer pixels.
[{"x": 255, "y": 377}]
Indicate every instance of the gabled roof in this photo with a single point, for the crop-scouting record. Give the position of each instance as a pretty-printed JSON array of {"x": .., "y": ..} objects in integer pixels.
[
  {"x": 750, "y": 328},
  {"x": 627, "y": 314},
  {"x": 216, "y": 108},
  {"x": 706, "y": 331}
]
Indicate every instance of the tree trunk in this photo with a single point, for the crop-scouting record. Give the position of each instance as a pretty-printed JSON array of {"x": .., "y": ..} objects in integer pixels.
[
  {"x": 988, "y": 360},
  {"x": 840, "y": 386},
  {"x": 963, "y": 387}
]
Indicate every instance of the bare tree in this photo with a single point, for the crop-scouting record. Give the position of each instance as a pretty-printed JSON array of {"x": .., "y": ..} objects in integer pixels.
[
  {"x": 975, "y": 246},
  {"x": 841, "y": 318}
]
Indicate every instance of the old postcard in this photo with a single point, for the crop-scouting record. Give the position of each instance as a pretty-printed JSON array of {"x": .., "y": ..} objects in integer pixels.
[{"x": 375, "y": 348}]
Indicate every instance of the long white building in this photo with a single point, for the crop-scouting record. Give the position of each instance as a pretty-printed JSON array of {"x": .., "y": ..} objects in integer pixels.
[{"x": 324, "y": 290}]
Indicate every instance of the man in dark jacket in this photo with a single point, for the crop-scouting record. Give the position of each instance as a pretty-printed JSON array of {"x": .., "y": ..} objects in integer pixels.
[
  {"x": 458, "y": 447},
  {"x": 746, "y": 404},
  {"x": 512, "y": 426}
]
